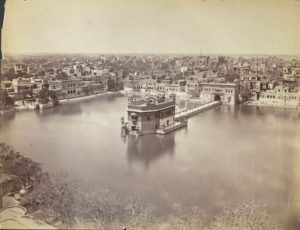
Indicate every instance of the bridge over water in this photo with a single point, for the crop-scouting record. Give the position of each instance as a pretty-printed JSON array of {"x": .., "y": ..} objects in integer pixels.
[{"x": 190, "y": 112}]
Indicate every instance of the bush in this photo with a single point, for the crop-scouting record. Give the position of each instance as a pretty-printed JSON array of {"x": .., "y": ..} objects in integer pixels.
[{"x": 250, "y": 215}]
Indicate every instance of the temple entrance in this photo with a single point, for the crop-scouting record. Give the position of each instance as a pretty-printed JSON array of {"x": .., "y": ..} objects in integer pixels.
[{"x": 217, "y": 98}]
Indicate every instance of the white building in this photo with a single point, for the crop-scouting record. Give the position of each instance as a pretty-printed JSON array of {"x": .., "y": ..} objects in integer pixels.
[{"x": 227, "y": 93}]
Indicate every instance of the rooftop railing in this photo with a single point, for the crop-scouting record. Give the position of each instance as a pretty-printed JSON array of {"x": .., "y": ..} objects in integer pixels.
[{"x": 145, "y": 106}]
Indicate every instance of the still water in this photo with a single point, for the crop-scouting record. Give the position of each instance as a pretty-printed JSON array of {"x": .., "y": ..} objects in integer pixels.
[{"x": 225, "y": 156}]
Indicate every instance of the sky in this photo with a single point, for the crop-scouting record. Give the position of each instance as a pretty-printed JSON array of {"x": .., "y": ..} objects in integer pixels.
[{"x": 156, "y": 26}]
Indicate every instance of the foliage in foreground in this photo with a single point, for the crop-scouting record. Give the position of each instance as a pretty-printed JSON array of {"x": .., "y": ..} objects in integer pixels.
[{"x": 64, "y": 202}]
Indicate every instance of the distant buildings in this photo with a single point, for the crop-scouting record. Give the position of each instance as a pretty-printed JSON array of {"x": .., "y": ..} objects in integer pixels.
[
  {"x": 193, "y": 88},
  {"x": 66, "y": 88},
  {"x": 21, "y": 85},
  {"x": 227, "y": 93},
  {"x": 279, "y": 96},
  {"x": 228, "y": 79},
  {"x": 20, "y": 68},
  {"x": 7, "y": 86}
]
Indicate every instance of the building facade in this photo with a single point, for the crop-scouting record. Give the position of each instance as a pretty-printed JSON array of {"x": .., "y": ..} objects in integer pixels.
[
  {"x": 281, "y": 96},
  {"x": 150, "y": 114},
  {"x": 192, "y": 88},
  {"x": 227, "y": 93},
  {"x": 22, "y": 85},
  {"x": 66, "y": 88}
]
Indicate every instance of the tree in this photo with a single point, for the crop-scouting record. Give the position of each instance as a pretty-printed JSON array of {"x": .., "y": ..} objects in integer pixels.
[
  {"x": 44, "y": 95},
  {"x": 230, "y": 77},
  {"x": 54, "y": 97},
  {"x": 62, "y": 76},
  {"x": 246, "y": 94},
  {"x": 111, "y": 84},
  {"x": 9, "y": 75},
  {"x": 6, "y": 100}
]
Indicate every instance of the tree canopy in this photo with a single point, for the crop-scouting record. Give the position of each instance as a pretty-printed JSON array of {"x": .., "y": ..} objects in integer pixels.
[{"x": 6, "y": 100}]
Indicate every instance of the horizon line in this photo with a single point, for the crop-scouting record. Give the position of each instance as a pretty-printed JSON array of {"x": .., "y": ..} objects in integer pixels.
[{"x": 146, "y": 53}]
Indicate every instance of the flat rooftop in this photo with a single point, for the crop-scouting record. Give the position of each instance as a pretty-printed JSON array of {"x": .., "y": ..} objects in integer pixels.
[{"x": 147, "y": 105}]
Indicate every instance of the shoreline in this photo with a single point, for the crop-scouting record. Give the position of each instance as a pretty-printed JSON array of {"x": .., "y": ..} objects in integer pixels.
[
  {"x": 65, "y": 101},
  {"x": 85, "y": 98},
  {"x": 124, "y": 93},
  {"x": 272, "y": 105}
]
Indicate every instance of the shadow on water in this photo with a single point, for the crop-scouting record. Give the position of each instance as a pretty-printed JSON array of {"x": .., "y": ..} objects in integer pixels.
[
  {"x": 6, "y": 118},
  {"x": 257, "y": 111},
  {"x": 147, "y": 149},
  {"x": 65, "y": 110},
  {"x": 266, "y": 111},
  {"x": 113, "y": 97}
]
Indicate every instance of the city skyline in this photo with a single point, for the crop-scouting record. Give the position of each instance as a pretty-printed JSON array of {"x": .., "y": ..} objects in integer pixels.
[
  {"x": 144, "y": 27},
  {"x": 91, "y": 139}
]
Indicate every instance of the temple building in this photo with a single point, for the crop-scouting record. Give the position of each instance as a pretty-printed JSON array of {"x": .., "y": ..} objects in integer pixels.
[{"x": 154, "y": 114}]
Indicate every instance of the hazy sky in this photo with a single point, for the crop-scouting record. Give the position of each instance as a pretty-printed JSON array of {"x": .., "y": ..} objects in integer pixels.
[{"x": 157, "y": 26}]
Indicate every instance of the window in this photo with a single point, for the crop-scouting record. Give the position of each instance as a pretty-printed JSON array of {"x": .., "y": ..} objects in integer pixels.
[{"x": 148, "y": 118}]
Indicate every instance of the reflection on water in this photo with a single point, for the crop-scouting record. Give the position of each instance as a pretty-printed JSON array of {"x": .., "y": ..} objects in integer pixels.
[
  {"x": 149, "y": 148},
  {"x": 67, "y": 109},
  {"x": 267, "y": 111},
  {"x": 6, "y": 118},
  {"x": 113, "y": 97},
  {"x": 227, "y": 154}
]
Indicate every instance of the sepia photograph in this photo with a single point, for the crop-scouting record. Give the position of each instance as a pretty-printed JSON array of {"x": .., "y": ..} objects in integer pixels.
[{"x": 150, "y": 114}]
